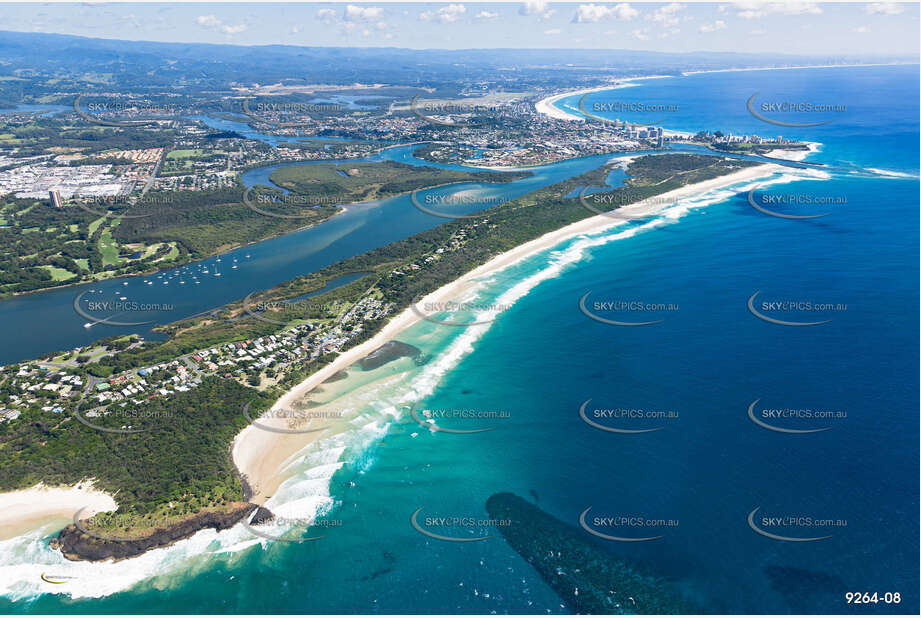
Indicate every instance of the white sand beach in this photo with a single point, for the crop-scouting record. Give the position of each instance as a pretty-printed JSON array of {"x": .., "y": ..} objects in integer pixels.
[
  {"x": 546, "y": 105},
  {"x": 37, "y": 507},
  {"x": 261, "y": 455},
  {"x": 794, "y": 155}
]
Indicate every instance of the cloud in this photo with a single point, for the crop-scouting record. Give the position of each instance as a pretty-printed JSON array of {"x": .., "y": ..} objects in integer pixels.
[
  {"x": 362, "y": 13},
  {"x": 533, "y": 7},
  {"x": 208, "y": 21},
  {"x": 234, "y": 29},
  {"x": 666, "y": 15},
  {"x": 641, "y": 34},
  {"x": 757, "y": 10},
  {"x": 593, "y": 13},
  {"x": 758, "y": 32},
  {"x": 486, "y": 15},
  {"x": 446, "y": 14},
  {"x": 883, "y": 8},
  {"x": 553, "y": 31},
  {"x": 327, "y": 15},
  {"x": 541, "y": 8},
  {"x": 861, "y": 30},
  {"x": 719, "y": 24},
  {"x": 213, "y": 22}
]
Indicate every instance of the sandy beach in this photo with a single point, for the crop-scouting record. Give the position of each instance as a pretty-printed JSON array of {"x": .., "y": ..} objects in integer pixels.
[
  {"x": 794, "y": 155},
  {"x": 546, "y": 105},
  {"x": 40, "y": 506},
  {"x": 261, "y": 455}
]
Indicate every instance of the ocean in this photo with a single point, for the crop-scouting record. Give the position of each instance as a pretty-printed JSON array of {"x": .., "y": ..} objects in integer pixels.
[{"x": 708, "y": 477}]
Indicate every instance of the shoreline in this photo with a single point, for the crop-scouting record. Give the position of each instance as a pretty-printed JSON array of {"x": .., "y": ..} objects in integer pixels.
[
  {"x": 807, "y": 66},
  {"x": 261, "y": 455},
  {"x": 794, "y": 155},
  {"x": 547, "y": 105},
  {"x": 25, "y": 510}
]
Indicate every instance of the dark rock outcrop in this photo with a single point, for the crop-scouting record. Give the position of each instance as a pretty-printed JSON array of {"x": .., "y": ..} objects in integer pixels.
[
  {"x": 79, "y": 543},
  {"x": 263, "y": 515}
]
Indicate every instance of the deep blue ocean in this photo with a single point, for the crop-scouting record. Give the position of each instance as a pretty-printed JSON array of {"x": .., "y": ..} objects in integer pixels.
[{"x": 706, "y": 468}]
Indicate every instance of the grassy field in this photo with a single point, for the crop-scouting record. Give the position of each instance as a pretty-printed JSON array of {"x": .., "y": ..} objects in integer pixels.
[
  {"x": 171, "y": 255},
  {"x": 108, "y": 247},
  {"x": 95, "y": 225},
  {"x": 185, "y": 154},
  {"x": 58, "y": 274}
]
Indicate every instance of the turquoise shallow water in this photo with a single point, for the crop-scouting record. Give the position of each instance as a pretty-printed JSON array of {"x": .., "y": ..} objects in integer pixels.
[{"x": 539, "y": 360}]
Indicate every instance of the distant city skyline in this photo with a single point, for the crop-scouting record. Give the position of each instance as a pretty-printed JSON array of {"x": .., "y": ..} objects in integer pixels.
[{"x": 807, "y": 28}]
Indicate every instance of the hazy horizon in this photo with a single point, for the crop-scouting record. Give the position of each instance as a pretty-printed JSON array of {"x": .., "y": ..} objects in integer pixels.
[{"x": 791, "y": 29}]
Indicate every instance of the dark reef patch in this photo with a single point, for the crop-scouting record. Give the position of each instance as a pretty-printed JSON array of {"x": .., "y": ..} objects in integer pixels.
[
  {"x": 588, "y": 579},
  {"x": 390, "y": 351}
]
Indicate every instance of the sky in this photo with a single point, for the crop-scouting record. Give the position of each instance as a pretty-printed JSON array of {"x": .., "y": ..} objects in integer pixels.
[{"x": 831, "y": 29}]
